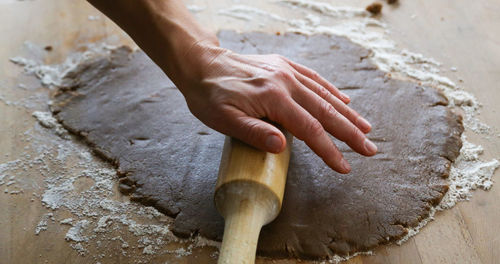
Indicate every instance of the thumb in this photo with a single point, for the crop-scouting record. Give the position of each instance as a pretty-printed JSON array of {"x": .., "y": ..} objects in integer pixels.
[{"x": 258, "y": 133}]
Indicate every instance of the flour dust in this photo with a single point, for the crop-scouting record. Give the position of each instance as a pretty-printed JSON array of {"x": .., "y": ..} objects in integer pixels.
[{"x": 79, "y": 190}]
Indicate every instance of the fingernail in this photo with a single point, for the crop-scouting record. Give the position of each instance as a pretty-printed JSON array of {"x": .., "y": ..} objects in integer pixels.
[
  {"x": 370, "y": 147},
  {"x": 363, "y": 124},
  {"x": 345, "y": 165},
  {"x": 273, "y": 143},
  {"x": 346, "y": 97}
]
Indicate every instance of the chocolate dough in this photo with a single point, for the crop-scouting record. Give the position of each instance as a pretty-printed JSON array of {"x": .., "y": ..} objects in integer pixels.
[{"x": 132, "y": 115}]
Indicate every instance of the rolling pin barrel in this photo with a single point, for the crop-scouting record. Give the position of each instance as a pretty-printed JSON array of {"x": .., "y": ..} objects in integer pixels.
[{"x": 248, "y": 194}]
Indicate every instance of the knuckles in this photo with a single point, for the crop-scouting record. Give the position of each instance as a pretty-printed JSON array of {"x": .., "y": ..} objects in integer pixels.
[
  {"x": 356, "y": 136},
  {"x": 282, "y": 74},
  {"x": 277, "y": 57},
  {"x": 323, "y": 93},
  {"x": 327, "y": 111},
  {"x": 251, "y": 131},
  {"x": 314, "y": 128},
  {"x": 315, "y": 75}
]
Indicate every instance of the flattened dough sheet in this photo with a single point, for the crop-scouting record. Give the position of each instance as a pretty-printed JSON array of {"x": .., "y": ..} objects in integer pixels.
[{"x": 131, "y": 114}]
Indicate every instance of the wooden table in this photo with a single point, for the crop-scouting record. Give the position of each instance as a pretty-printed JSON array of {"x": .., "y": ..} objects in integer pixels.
[{"x": 460, "y": 33}]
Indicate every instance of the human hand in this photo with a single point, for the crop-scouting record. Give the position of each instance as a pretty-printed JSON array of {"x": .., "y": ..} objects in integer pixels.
[{"x": 231, "y": 93}]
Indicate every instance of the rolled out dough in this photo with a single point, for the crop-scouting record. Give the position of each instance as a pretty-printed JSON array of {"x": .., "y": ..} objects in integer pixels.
[{"x": 132, "y": 115}]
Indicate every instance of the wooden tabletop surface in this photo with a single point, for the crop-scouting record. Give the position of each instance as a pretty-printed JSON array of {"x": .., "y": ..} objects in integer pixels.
[{"x": 459, "y": 33}]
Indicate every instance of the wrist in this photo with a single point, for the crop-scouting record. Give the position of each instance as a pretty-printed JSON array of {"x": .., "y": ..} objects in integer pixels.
[
  {"x": 196, "y": 63},
  {"x": 182, "y": 47}
]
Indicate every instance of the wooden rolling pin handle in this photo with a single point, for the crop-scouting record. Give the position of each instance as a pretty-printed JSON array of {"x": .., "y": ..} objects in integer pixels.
[
  {"x": 248, "y": 194},
  {"x": 248, "y": 206}
]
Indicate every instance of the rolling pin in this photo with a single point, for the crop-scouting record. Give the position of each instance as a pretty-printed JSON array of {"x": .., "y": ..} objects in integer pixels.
[{"x": 248, "y": 194}]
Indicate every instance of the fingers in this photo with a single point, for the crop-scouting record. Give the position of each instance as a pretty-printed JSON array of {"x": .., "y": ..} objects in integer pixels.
[
  {"x": 333, "y": 121},
  {"x": 340, "y": 106},
  {"x": 305, "y": 127},
  {"x": 320, "y": 80},
  {"x": 255, "y": 132},
  {"x": 295, "y": 119}
]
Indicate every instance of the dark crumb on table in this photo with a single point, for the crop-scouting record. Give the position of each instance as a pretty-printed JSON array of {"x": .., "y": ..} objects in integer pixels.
[
  {"x": 390, "y": 2},
  {"x": 374, "y": 8},
  {"x": 48, "y": 48}
]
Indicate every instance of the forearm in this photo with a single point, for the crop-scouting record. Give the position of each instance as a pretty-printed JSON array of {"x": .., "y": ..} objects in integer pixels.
[{"x": 166, "y": 31}]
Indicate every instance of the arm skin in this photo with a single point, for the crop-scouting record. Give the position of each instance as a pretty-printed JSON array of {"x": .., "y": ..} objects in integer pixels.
[{"x": 231, "y": 93}]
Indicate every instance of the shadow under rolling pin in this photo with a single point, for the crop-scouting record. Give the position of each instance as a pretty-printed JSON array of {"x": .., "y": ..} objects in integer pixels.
[{"x": 248, "y": 194}]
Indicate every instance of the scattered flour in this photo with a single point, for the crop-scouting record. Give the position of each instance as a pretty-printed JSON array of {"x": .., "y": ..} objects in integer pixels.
[
  {"x": 248, "y": 13},
  {"x": 97, "y": 216},
  {"x": 93, "y": 18},
  {"x": 42, "y": 225},
  {"x": 148, "y": 250},
  {"x": 59, "y": 75},
  {"x": 467, "y": 173},
  {"x": 47, "y": 120},
  {"x": 75, "y": 233},
  {"x": 67, "y": 221},
  {"x": 79, "y": 248},
  {"x": 326, "y": 9},
  {"x": 195, "y": 8}
]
